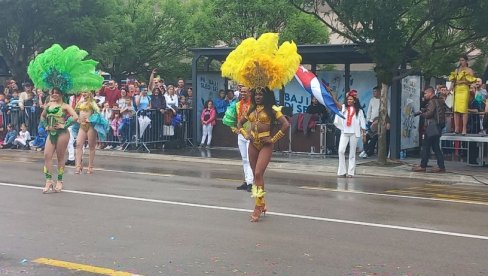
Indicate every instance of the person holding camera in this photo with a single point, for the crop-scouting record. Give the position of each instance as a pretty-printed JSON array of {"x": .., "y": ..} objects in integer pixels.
[{"x": 435, "y": 120}]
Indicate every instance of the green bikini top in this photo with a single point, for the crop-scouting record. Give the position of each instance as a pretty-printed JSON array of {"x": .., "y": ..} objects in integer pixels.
[{"x": 54, "y": 115}]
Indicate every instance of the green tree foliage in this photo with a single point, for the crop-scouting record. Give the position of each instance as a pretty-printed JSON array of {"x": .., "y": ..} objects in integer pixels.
[
  {"x": 231, "y": 21},
  {"x": 394, "y": 32}
]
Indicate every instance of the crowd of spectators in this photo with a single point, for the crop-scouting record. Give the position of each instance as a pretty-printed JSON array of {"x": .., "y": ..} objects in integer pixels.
[{"x": 158, "y": 104}]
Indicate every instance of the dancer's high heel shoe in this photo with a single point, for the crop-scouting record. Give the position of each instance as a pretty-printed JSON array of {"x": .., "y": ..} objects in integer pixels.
[
  {"x": 258, "y": 210},
  {"x": 90, "y": 170},
  {"x": 59, "y": 186},
  {"x": 78, "y": 169},
  {"x": 47, "y": 187}
]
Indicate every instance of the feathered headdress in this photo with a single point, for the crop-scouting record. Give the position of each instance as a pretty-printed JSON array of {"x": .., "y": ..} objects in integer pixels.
[
  {"x": 260, "y": 63},
  {"x": 66, "y": 69}
]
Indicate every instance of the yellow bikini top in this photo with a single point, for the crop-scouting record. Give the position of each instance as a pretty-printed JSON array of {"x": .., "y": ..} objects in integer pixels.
[
  {"x": 263, "y": 117},
  {"x": 87, "y": 106}
]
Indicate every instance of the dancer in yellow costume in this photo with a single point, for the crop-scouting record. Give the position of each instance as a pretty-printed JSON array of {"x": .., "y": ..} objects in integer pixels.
[
  {"x": 262, "y": 66},
  {"x": 461, "y": 79}
]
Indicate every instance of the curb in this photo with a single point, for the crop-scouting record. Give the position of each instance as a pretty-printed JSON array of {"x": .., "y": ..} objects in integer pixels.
[{"x": 402, "y": 171}]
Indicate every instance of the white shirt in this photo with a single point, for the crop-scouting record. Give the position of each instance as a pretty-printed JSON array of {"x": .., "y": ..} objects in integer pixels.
[
  {"x": 358, "y": 122},
  {"x": 171, "y": 101},
  {"x": 373, "y": 109}
]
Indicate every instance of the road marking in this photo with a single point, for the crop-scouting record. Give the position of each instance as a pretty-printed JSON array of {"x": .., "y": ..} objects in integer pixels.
[
  {"x": 228, "y": 179},
  {"x": 399, "y": 196},
  {"x": 82, "y": 267},
  {"x": 377, "y": 225},
  {"x": 138, "y": 173}
]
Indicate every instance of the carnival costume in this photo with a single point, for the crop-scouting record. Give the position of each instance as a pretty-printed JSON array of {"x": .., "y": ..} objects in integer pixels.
[
  {"x": 99, "y": 123},
  {"x": 263, "y": 66},
  {"x": 461, "y": 90},
  {"x": 66, "y": 70}
]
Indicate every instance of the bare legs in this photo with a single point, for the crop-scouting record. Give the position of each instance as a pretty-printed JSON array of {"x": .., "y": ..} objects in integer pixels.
[
  {"x": 91, "y": 136},
  {"x": 458, "y": 124},
  {"x": 60, "y": 150},
  {"x": 259, "y": 160}
]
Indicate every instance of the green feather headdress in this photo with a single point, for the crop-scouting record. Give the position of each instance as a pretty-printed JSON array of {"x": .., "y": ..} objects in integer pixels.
[{"x": 66, "y": 69}]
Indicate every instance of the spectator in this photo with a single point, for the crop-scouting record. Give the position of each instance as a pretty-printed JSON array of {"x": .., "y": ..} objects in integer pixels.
[
  {"x": 39, "y": 141},
  {"x": 121, "y": 103},
  {"x": 3, "y": 104},
  {"x": 9, "y": 137},
  {"x": 158, "y": 101},
  {"x": 318, "y": 110},
  {"x": 111, "y": 93},
  {"x": 143, "y": 101},
  {"x": 208, "y": 121},
  {"x": 22, "y": 138},
  {"x": 221, "y": 104},
  {"x": 180, "y": 89},
  {"x": 230, "y": 96},
  {"x": 374, "y": 106},
  {"x": 100, "y": 100},
  {"x": 171, "y": 99},
  {"x": 351, "y": 128},
  {"x": 13, "y": 109},
  {"x": 183, "y": 104},
  {"x": 115, "y": 124},
  {"x": 434, "y": 115},
  {"x": 24, "y": 95},
  {"x": 189, "y": 98}
]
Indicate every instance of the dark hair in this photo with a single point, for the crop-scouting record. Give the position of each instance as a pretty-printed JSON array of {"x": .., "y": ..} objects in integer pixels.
[
  {"x": 206, "y": 103},
  {"x": 268, "y": 102},
  {"x": 57, "y": 89},
  {"x": 429, "y": 88},
  {"x": 464, "y": 56},
  {"x": 376, "y": 88},
  {"x": 357, "y": 104}
]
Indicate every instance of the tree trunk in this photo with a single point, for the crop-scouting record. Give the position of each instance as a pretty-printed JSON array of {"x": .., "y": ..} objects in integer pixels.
[{"x": 382, "y": 153}]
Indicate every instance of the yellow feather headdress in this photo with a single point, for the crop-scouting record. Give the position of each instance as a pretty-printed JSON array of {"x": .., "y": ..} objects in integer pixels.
[{"x": 260, "y": 63}]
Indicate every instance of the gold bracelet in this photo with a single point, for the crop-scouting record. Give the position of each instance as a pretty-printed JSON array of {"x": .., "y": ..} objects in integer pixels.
[
  {"x": 243, "y": 132},
  {"x": 277, "y": 136}
]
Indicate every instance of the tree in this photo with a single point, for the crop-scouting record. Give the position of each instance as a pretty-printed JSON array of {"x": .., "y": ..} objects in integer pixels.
[
  {"x": 229, "y": 22},
  {"x": 394, "y": 32},
  {"x": 29, "y": 27}
]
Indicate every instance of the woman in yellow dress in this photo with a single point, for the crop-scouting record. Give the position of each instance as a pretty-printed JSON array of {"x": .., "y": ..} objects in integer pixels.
[{"x": 461, "y": 79}]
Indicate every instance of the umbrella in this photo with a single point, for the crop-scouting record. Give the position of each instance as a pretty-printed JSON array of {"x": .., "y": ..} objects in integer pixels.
[{"x": 144, "y": 122}]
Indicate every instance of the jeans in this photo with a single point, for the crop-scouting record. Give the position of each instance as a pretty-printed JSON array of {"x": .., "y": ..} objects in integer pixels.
[{"x": 434, "y": 143}]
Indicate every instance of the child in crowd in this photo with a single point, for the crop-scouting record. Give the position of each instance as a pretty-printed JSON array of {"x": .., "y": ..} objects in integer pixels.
[
  {"x": 115, "y": 123},
  {"x": 8, "y": 142},
  {"x": 183, "y": 103},
  {"x": 40, "y": 141},
  {"x": 22, "y": 138}
]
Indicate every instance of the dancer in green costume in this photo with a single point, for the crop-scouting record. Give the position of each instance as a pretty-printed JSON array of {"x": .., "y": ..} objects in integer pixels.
[{"x": 65, "y": 72}]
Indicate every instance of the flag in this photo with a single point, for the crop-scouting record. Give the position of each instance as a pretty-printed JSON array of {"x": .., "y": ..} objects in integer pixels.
[{"x": 312, "y": 85}]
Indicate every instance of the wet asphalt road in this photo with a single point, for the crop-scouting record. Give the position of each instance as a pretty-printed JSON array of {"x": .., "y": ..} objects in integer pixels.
[{"x": 154, "y": 217}]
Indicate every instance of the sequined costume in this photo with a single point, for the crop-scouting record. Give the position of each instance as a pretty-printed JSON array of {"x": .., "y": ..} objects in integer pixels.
[
  {"x": 259, "y": 116},
  {"x": 98, "y": 122}
]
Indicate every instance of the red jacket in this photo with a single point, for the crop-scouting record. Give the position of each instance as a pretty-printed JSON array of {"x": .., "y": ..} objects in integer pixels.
[
  {"x": 213, "y": 114},
  {"x": 111, "y": 95}
]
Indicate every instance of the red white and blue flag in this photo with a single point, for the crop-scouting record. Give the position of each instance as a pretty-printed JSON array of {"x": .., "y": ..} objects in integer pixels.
[{"x": 312, "y": 85}]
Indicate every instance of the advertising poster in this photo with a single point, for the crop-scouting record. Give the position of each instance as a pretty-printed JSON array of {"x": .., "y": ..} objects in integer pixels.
[{"x": 411, "y": 87}]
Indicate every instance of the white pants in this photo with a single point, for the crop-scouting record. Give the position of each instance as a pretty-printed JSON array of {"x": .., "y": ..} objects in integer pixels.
[
  {"x": 351, "y": 139},
  {"x": 71, "y": 142},
  {"x": 207, "y": 131},
  {"x": 243, "y": 148}
]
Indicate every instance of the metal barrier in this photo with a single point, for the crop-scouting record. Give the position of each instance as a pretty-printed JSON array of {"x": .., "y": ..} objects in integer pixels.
[
  {"x": 145, "y": 130},
  {"x": 150, "y": 129},
  {"x": 16, "y": 116}
]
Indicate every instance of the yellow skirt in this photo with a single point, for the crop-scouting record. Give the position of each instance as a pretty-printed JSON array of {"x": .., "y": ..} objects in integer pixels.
[{"x": 461, "y": 98}]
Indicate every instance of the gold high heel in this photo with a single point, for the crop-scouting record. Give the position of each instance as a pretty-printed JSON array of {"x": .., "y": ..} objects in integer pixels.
[
  {"x": 90, "y": 170},
  {"x": 59, "y": 186},
  {"x": 48, "y": 186},
  {"x": 78, "y": 169},
  {"x": 259, "y": 208}
]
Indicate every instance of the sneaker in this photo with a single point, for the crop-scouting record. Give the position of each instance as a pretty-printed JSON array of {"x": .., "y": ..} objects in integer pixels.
[
  {"x": 362, "y": 154},
  {"x": 109, "y": 147},
  {"x": 243, "y": 186},
  {"x": 249, "y": 188},
  {"x": 119, "y": 148},
  {"x": 70, "y": 163}
]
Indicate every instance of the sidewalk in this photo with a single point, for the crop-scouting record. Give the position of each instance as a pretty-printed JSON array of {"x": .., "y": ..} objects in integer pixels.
[{"x": 458, "y": 173}]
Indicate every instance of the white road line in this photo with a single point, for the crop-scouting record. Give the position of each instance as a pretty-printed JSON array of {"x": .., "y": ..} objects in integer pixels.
[
  {"x": 378, "y": 225},
  {"x": 391, "y": 195}
]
